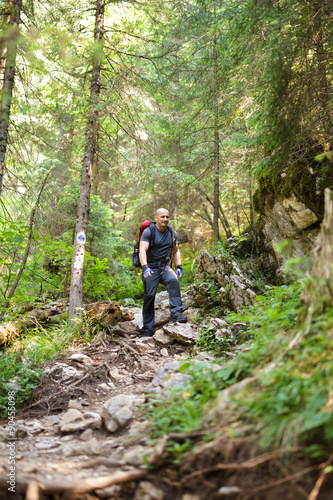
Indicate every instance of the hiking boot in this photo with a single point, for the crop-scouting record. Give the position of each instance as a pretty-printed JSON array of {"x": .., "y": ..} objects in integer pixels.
[{"x": 178, "y": 319}]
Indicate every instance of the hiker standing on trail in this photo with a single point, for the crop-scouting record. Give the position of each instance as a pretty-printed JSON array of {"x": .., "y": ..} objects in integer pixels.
[{"x": 158, "y": 246}]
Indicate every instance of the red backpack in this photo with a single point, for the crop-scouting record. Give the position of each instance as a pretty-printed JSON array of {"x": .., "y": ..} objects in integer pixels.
[{"x": 152, "y": 225}]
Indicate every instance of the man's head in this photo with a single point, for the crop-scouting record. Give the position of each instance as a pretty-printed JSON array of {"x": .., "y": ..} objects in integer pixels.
[{"x": 162, "y": 218}]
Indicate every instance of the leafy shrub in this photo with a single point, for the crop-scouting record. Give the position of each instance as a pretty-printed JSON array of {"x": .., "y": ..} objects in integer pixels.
[{"x": 16, "y": 376}]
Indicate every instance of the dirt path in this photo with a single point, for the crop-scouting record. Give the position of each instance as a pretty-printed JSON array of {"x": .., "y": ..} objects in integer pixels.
[
  {"x": 45, "y": 453},
  {"x": 63, "y": 450}
]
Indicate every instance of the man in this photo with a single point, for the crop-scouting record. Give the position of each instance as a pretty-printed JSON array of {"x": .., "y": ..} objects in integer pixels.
[{"x": 155, "y": 254}]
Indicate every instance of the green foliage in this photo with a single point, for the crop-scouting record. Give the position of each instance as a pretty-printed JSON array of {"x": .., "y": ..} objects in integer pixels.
[
  {"x": 17, "y": 377},
  {"x": 35, "y": 348},
  {"x": 12, "y": 238},
  {"x": 290, "y": 400},
  {"x": 209, "y": 341},
  {"x": 182, "y": 409}
]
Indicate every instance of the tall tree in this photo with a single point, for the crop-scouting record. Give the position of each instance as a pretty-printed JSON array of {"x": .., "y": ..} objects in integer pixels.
[
  {"x": 216, "y": 146},
  {"x": 12, "y": 17},
  {"x": 76, "y": 289}
]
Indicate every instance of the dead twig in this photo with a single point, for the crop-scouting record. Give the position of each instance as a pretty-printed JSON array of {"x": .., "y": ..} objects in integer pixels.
[
  {"x": 142, "y": 377},
  {"x": 124, "y": 344},
  {"x": 315, "y": 492},
  {"x": 73, "y": 384},
  {"x": 283, "y": 480}
]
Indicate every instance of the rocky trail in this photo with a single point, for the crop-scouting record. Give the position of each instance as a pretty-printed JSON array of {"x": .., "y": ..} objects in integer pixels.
[
  {"x": 83, "y": 425},
  {"x": 83, "y": 435}
]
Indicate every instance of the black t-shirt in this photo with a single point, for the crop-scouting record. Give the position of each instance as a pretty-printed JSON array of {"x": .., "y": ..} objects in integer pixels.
[{"x": 160, "y": 248}]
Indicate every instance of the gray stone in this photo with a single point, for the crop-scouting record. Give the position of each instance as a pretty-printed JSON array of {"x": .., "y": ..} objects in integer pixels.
[
  {"x": 187, "y": 300},
  {"x": 217, "y": 323},
  {"x": 193, "y": 314},
  {"x": 147, "y": 491},
  {"x": 227, "y": 491},
  {"x": 200, "y": 294},
  {"x": 122, "y": 415},
  {"x": 47, "y": 445},
  {"x": 81, "y": 358},
  {"x": 71, "y": 415},
  {"x": 240, "y": 295},
  {"x": 162, "y": 338},
  {"x": 164, "y": 352},
  {"x": 74, "y": 420},
  {"x": 91, "y": 447},
  {"x": 160, "y": 297},
  {"x": 167, "y": 377},
  {"x": 51, "y": 420},
  {"x": 161, "y": 317},
  {"x": 136, "y": 456},
  {"x": 87, "y": 435},
  {"x": 118, "y": 411},
  {"x": 183, "y": 333},
  {"x": 206, "y": 263},
  {"x": 75, "y": 404},
  {"x": 65, "y": 371}
]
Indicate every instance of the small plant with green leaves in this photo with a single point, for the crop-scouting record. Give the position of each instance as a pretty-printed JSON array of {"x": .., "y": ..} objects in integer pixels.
[{"x": 211, "y": 342}]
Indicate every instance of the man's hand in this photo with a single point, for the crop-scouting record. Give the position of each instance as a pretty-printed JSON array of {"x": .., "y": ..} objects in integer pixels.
[
  {"x": 179, "y": 271},
  {"x": 146, "y": 272}
]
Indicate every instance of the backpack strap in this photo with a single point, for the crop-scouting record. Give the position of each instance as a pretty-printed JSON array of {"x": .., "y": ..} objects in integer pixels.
[
  {"x": 174, "y": 236},
  {"x": 152, "y": 234}
]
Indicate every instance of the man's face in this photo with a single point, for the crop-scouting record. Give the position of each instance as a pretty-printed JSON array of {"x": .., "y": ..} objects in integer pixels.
[{"x": 162, "y": 219}]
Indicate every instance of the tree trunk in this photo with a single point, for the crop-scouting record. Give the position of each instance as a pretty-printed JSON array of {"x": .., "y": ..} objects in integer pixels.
[
  {"x": 4, "y": 41},
  {"x": 216, "y": 148},
  {"x": 27, "y": 249},
  {"x": 9, "y": 52},
  {"x": 76, "y": 288}
]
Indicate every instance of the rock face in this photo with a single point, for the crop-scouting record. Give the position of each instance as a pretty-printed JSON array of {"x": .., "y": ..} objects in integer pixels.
[
  {"x": 220, "y": 281},
  {"x": 286, "y": 218}
]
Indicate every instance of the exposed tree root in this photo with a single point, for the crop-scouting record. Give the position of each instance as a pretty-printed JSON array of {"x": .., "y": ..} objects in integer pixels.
[
  {"x": 248, "y": 464},
  {"x": 34, "y": 489}
]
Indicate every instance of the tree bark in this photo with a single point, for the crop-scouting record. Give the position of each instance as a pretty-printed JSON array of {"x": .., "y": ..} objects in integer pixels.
[
  {"x": 216, "y": 148},
  {"x": 4, "y": 41},
  {"x": 76, "y": 288},
  {"x": 9, "y": 52}
]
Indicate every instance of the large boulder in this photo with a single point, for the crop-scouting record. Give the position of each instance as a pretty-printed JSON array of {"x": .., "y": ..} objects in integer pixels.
[
  {"x": 220, "y": 281},
  {"x": 182, "y": 333}
]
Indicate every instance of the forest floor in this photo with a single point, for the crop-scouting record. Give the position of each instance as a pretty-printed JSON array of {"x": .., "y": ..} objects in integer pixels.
[{"x": 93, "y": 463}]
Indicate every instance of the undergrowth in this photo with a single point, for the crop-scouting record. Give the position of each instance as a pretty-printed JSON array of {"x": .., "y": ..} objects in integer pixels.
[
  {"x": 21, "y": 365},
  {"x": 290, "y": 398}
]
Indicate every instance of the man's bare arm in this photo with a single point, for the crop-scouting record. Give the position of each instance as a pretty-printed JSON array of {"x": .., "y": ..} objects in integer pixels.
[
  {"x": 176, "y": 255},
  {"x": 143, "y": 249}
]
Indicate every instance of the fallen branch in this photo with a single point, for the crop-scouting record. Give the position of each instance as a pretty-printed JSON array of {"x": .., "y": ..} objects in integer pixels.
[
  {"x": 123, "y": 344},
  {"x": 84, "y": 486}
]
